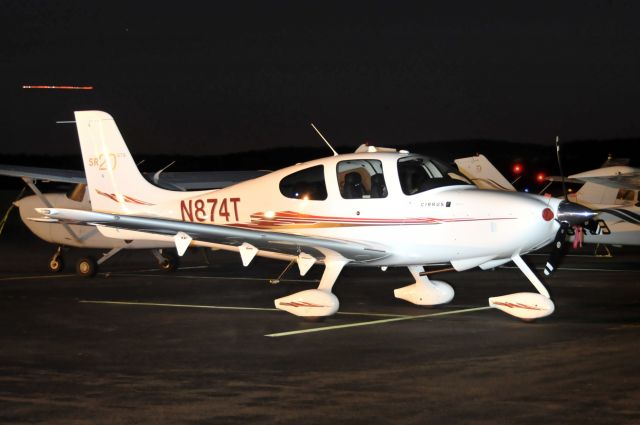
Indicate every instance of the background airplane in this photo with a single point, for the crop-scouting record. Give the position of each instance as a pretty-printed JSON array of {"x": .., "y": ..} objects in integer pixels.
[
  {"x": 66, "y": 236},
  {"x": 612, "y": 191},
  {"x": 374, "y": 208},
  {"x": 479, "y": 170}
]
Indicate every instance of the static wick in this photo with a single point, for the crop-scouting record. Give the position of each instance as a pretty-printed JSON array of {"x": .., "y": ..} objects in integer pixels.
[{"x": 60, "y": 87}]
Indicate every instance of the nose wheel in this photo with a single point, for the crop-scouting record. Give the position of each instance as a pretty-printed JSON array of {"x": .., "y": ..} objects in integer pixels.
[
  {"x": 527, "y": 306},
  {"x": 56, "y": 263}
]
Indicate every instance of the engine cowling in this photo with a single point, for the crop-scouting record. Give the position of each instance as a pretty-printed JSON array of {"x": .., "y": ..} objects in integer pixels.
[
  {"x": 309, "y": 303},
  {"x": 524, "y": 305}
]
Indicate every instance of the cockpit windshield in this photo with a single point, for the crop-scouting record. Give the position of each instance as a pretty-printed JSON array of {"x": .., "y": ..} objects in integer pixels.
[{"x": 420, "y": 173}]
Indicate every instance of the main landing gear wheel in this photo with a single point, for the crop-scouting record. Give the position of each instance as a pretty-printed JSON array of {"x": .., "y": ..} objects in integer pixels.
[
  {"x": 86, "y": 267},
  {"x": 170, "y": 262}
]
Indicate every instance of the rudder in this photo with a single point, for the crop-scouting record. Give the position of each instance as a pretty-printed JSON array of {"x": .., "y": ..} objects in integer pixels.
[{"x": 114, "y": 181}]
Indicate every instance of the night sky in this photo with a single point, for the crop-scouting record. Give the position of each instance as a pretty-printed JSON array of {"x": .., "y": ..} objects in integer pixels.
[{"x": 218, "y": 77}]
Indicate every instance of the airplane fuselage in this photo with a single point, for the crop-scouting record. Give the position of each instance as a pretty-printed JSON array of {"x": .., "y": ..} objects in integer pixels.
[
  {"x": 80, "y": 235},
  {"x": 454, "y": 223}
]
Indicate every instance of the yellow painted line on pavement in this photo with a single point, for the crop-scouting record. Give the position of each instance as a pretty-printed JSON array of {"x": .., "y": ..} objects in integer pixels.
[
  {"x": 219, "y": 307},
  {"x": 377, "y": 322},
  {"x": 577, "y": 269},
  {"x": 212, "y": 307},
  {"x": 205, "y": 277},
  {"x": 44, "y": 276}
]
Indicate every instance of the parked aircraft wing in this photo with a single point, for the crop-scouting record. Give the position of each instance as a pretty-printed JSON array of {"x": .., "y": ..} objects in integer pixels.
[
  {"x": 619, "y": 177},
  {"x": 199, "y": 180},
  {"x": 192, "y": 180},
  {"x": 285, "y": 243},
  {"x": 566, "y": 179},
  {"x": 45, "y": 174}
]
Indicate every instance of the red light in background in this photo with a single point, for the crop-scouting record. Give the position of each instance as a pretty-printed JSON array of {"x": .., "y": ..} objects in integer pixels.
[
  {"x": 540, "y": 177},
  {"x": 517, "y": 169}
]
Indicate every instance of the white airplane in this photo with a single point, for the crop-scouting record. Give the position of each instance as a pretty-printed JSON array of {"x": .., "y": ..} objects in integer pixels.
[
  {"x": 84, "y": 236},
  {"x": 374, "y": 208},
  {"x": 612, "y": 192}
]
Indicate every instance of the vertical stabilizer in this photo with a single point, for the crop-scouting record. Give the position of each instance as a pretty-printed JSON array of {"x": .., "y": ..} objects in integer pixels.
[
  {"x": 114, "y": 181},
  {"x": 596, "y": 194}
]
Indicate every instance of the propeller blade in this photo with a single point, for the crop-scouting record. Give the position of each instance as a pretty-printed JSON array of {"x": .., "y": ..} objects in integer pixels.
[
  {"x": 564, "y": 187},
  {"x": 556, "y": 251}
]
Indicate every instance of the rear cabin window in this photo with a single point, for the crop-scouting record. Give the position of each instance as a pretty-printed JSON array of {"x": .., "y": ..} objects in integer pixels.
[
  {"x": 626, "y": 195},
  {"x": 77, "y": 192},
  {"x": 361, "y": 179},
  {"x": 307, "y": 184},
  {"x": 418, "y": 174}
]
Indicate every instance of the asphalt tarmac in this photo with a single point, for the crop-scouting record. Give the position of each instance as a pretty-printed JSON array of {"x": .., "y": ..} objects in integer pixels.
[{"x": 203, "y": 345}]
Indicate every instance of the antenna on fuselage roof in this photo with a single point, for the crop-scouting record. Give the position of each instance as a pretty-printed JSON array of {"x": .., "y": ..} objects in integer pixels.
[{"x": 325, "y": 140}]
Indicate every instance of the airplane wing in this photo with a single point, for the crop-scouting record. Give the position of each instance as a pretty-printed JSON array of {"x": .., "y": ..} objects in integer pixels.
[
  {"x": 566, "y": 179},
  {"x": 199, "y": 180},
  {"x": 284, "y": 243},
  {"x": 183, "y": 181},
  {"x": 617, "y": 177},
  {"x": 43, "y": 174}
]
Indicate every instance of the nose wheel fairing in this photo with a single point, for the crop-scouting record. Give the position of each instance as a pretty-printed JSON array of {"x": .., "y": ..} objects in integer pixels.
[{"x": 525, "y": 305}]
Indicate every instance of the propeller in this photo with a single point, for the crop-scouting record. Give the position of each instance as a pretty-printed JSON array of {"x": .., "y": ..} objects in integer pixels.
[
  {"x": 564, "y": 187},
  {"x": 557, "y": 250},
  {"x": 569, "y": 215}
]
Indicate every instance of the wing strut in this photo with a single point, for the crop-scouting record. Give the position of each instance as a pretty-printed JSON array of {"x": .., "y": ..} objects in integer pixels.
[
  {"x": 29, "y": 182},
  {"x": 5, "y": 217}
]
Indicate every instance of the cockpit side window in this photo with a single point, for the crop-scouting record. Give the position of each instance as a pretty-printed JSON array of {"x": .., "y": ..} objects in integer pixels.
[
  {"x": 307, "y": 184},
  {"x": 361, "y": 179},
  {"x": 626, "y": 195},
  {"x": 419, "y": 173}
]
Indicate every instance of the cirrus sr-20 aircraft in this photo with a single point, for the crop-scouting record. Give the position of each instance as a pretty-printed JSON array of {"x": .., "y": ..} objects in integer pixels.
[{"x": 376, "y": 207}]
